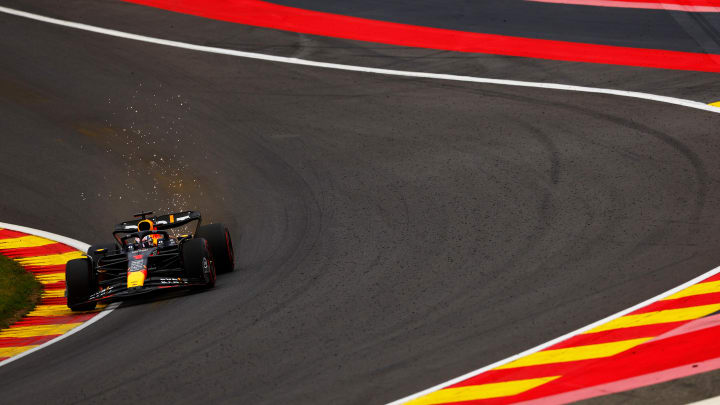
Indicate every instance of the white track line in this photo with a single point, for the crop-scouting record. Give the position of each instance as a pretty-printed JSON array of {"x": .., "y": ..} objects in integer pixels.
[
  {"x": 294, "y": 61},
  {"x": 303, "y": 62},
  {"x": 83, "y": 247}
]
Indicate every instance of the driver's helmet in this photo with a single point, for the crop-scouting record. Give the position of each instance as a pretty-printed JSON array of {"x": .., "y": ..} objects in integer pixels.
[
  {"x": 145, "y": 225},
  {"x": 149, "y": 240}
]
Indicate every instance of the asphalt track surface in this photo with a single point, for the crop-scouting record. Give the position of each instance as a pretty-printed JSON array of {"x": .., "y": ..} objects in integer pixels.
[{"x": 391, "y": 233}]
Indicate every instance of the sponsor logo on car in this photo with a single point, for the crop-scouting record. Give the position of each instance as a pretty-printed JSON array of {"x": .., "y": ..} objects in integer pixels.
[
  {"x": 103, "y": 292},
  {"x": 168, "y": 280}
]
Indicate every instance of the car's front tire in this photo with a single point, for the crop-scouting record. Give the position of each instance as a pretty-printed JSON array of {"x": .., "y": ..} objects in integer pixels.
[{"x": 80, "y": 284}]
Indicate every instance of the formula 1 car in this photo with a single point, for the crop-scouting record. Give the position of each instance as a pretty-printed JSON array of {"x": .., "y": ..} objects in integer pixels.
[{"x": 146, "y": 258}]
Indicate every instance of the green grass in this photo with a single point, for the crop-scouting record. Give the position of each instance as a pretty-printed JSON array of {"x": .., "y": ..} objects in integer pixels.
[{"x": 19, "y": 291}]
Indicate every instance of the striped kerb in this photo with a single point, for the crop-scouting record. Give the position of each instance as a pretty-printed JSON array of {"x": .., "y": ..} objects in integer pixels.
[
  {"x": 51, "y": 317},
  {"x": 670, "y": 338}
]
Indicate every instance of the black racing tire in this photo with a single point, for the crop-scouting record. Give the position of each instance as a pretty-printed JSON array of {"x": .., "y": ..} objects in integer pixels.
[
  {"x": 197, "y": 261},
  {"x": 218, "y": 237},
  {"x": 80, "y": 284},
  {"x": 109, "y": 248}
]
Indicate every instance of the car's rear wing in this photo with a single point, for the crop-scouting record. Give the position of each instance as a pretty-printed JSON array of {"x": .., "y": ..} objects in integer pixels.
[{"x": 161, "y": 222}]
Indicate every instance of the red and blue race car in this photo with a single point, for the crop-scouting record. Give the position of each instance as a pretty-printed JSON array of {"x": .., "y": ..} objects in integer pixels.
[{"x": 145, "y": 257}]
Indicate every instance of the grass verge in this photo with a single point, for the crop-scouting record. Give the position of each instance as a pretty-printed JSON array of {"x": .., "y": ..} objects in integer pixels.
[{"x": 19, "y": 292}]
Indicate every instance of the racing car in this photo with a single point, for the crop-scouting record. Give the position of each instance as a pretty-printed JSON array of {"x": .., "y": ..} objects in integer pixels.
[{"x": 145, "y": 257}]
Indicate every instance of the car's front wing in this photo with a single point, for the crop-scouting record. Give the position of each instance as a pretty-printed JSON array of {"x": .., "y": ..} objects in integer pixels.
[{"x": 119, "y": 291}]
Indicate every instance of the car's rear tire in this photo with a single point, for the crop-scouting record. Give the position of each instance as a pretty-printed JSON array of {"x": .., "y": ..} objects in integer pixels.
[
  {"x": 197, "y": 261},
  {"x": 108, "y": 248},
  {"x": 218, "y": 238},
  {"x": 80, "y": 284}
]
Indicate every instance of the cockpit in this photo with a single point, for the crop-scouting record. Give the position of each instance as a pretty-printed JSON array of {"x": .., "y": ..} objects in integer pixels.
[{"x": 156, "y": 231}]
